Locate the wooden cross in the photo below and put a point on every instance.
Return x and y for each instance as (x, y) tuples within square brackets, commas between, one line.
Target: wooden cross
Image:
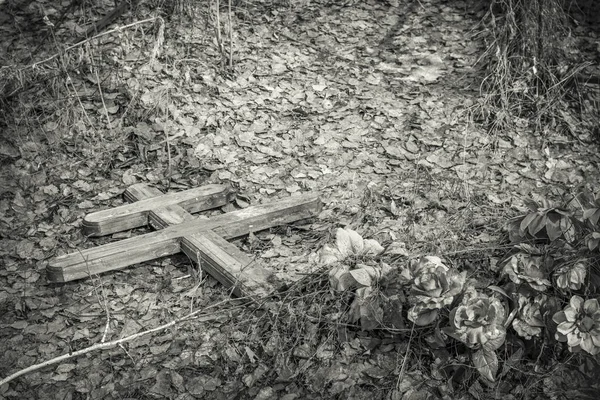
[(203, 240)]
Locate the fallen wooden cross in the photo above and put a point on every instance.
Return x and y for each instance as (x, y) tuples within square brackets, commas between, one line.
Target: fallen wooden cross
[(203, 240)]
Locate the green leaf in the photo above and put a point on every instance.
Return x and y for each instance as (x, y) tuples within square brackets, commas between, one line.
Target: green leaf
[(416, 394), (553, 226), (593, 214), (588, 212), (486, 363), (454, 335), (568, 229), (526, 221), (370, 316), (426, 317), (529, 249), (538, 223), (594, 219), (593, 240), (361, 278), (564, 212), (494, 343), (499, 290), (348, 242), (532, 205)]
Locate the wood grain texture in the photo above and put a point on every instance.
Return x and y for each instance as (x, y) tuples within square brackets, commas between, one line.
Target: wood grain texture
[(213, 254), (227, 264), (136, 214), (199, 241)]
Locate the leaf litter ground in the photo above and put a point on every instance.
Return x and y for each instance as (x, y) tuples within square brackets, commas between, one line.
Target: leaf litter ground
[(369, 104)]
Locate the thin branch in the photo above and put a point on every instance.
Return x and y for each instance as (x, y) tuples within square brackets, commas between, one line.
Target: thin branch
[(117, 29), (101, 346)]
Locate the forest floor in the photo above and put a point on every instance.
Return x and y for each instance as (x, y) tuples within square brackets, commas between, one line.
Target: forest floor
[(369, 104)]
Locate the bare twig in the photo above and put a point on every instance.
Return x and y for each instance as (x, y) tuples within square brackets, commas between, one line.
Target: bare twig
[(406, 354), (106, 345), (117, 29), (230, 34), (218, 31)]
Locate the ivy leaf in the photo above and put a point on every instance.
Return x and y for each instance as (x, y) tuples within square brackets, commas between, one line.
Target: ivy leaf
[(553, 225), (593, 240), (593, 214), (427, 317), (568, 229), (486, 363), (527, 221), (595, 217), (537, 224)]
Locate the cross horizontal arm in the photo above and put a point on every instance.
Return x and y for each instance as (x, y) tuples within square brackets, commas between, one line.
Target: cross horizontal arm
[(146, 247), (134, 215)]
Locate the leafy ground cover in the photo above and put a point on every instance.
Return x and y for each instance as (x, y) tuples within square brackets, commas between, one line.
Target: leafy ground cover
[(424, 276)]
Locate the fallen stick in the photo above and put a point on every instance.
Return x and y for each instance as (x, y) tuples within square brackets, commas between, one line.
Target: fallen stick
[(113, 343)]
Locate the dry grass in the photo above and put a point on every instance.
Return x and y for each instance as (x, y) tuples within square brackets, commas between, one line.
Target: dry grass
[(529, 69)]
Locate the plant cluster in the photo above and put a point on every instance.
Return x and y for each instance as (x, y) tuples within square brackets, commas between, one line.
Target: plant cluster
[(548, 287)]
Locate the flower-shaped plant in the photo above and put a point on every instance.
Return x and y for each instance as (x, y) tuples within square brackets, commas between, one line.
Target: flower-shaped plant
[(351, 244), (478, 321), (579, 325), (348, 243), (529, 322), (423, 265), (571, 276), (434, 285), (527, 268), (346, 274), (343, 278)]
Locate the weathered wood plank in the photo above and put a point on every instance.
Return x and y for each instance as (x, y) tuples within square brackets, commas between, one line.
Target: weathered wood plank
[(146, 247), (119, 255), (160, 217), (227, 264), (134, 215), (213, 254)]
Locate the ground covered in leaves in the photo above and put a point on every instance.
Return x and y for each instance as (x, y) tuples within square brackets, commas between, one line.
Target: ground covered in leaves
[(369, 104)]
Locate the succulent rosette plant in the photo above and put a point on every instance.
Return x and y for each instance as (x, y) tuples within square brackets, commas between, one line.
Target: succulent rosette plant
[(422, 266), (579, 325), (478, 321), (527, 268), (434, 285), (529, 322), (349, 244), (571, 276)]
